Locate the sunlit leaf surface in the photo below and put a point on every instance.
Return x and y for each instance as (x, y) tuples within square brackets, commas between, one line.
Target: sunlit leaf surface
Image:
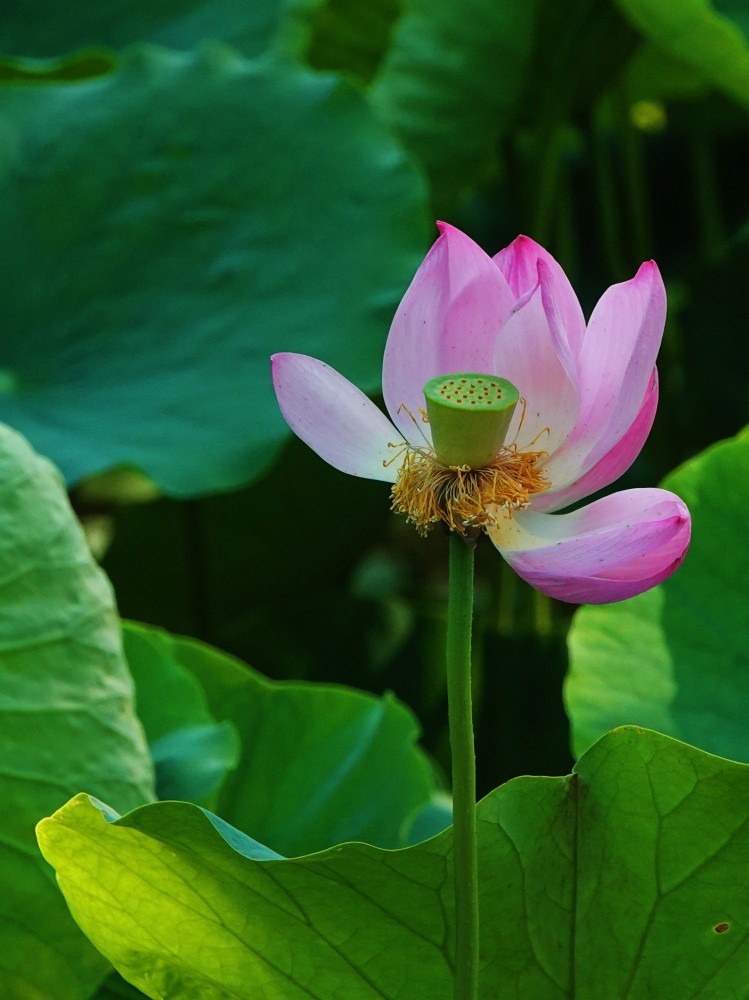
[(624, 873), (676, 659)]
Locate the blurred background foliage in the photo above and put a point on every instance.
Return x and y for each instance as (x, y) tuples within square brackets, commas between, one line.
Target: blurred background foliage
[(188, 187)]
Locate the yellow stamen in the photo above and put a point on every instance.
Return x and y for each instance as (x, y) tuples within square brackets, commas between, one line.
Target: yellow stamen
[(427, 491)]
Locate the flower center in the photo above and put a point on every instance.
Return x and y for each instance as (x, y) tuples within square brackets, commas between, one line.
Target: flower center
[(469, 415), (471, 475)]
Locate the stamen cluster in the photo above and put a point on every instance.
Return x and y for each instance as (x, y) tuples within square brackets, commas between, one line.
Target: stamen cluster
[(427, 491)]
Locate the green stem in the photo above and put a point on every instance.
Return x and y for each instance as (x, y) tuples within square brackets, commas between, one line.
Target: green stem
[(636, 181), (459, 620), (550, 158), (609, 199), (707, 194), (542, 613)]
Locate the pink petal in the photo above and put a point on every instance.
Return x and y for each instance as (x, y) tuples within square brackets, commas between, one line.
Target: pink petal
[(621, 344), (612, 549), (447, 322), (530, 354), (519, 264), (335, 418), (616, 363), (613, 465)]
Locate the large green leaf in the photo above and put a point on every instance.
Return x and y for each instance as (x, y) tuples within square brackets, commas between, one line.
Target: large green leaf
[(449, 84), (695, 32), (170, 225), (43, 28), (653, 74), (317, 760), (66, 703), (191, 750), (621, 880), (676, 657)]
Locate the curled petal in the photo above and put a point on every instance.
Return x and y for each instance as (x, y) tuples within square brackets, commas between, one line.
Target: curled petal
[(615, 366), (519, 264), (335, 418), (613, 464), (621, 344), (447, 322), (612, 549)]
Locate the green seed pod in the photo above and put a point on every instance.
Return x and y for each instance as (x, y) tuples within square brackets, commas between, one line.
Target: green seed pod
[(469, 415)]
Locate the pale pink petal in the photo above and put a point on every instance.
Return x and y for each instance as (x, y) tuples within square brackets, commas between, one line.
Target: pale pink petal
[(447, 322), (530, 355), (613, 465), (519, 264), (615, 366), (612, 549), (335, 418)]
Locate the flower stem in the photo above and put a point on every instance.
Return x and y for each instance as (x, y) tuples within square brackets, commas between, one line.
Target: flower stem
[(459, 620)]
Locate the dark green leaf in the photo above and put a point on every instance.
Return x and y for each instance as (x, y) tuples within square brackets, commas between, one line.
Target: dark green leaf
[(191, 751), (115, 988), (169, 226), (192, 762), (579, 47), (80, 66), (693, 31), (352, 35), (449, 84), (43, 28), (318, 761)]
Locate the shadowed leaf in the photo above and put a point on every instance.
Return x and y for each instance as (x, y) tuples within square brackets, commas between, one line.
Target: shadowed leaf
[(68, 721)]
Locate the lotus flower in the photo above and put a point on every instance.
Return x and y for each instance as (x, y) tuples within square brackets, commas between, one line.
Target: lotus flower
[(476, 326)]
